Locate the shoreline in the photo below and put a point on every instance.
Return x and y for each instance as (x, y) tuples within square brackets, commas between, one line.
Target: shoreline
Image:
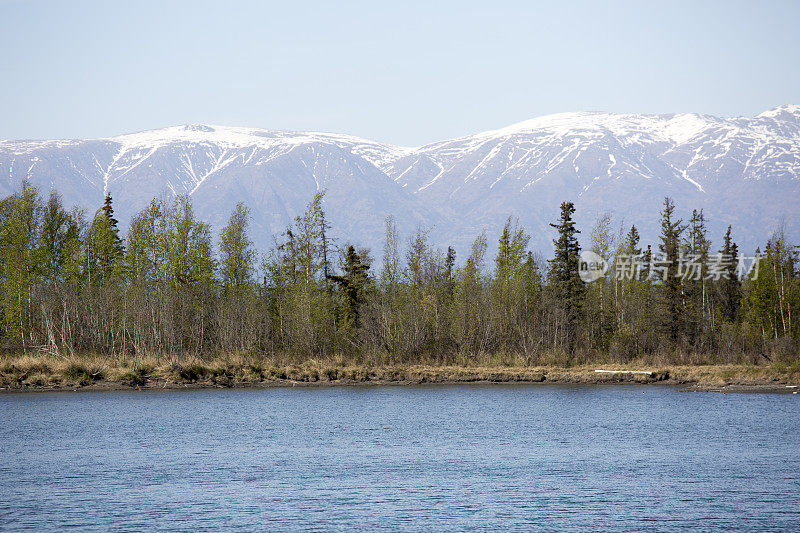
[(754, 388), (29, 374)]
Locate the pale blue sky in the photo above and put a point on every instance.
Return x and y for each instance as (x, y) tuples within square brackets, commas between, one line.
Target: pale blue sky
[(408, 73)]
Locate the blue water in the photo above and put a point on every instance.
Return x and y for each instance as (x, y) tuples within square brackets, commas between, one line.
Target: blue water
[(429, 458)]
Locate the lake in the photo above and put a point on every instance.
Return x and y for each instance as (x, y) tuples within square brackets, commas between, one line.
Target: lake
[(430, 458)]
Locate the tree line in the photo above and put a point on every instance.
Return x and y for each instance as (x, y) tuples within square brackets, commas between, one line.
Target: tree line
[(70, 283)]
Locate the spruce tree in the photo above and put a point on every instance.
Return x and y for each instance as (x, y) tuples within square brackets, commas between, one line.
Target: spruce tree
[(325, 242), (568, 287), (631, 296), (671, 286), (352, 283), (647, 263), (729, 284), (633, 241), (108, 211), (106, 249), (113, 225), (696, 246), (449, 271)]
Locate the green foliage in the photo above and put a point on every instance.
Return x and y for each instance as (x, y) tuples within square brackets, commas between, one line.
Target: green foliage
[(105, 248), (511, 252), (772, 293), (697, 289), (297, 285), (236, 251), (21, 259), (69, 285), (598, 308)]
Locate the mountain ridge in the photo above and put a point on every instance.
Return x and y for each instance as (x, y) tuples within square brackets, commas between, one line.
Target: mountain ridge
[(743, 171)]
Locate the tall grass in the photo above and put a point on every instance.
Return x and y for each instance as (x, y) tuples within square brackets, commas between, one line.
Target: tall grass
[(241, 369)]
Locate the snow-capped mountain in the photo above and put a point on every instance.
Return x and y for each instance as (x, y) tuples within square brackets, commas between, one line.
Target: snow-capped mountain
[(275, 173), (741, 171)]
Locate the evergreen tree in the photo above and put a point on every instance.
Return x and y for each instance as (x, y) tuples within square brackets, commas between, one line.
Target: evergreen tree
[(729, 285), (68, 286), (325, 242), (634, 253), (632, 298), (671, 286), (352, 284), (105, 246), (568, 287), (647, 264), (449, 265), (108, 211), (632, 241), (696, 274)]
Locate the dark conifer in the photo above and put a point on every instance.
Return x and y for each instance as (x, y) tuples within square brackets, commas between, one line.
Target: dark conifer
[(449, 273), (569, 289), (672, 286), (730, 286), (352, 283), (633, 241), (113, 224), (695, 274), (108, 211)]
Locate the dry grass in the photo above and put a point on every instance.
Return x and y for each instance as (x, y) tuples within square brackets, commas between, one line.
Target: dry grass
[(43, 371)]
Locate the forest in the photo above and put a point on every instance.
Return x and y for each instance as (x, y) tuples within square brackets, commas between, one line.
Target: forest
[(72, 283)]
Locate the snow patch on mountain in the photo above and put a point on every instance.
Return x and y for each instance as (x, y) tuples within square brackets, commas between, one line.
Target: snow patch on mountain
[(743, 171)]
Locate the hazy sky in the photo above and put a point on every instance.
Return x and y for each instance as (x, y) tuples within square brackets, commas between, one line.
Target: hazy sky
[(408, 74)]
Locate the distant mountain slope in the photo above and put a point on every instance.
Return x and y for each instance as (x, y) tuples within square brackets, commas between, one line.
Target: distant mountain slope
[(275, 173), (744, 172), (741, 171)]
